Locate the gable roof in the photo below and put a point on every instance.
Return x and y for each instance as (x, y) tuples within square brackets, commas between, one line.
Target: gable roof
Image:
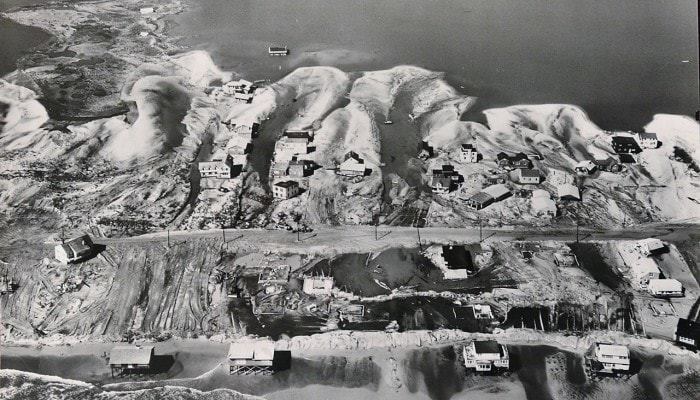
[(130, 354)]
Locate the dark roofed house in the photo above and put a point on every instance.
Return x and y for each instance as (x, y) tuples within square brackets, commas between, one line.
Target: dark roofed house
[(608, 165), (74, 250), (688, 333), (625, 145), (130, 358)]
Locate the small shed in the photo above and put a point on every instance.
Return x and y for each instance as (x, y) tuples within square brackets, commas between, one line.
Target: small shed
[(251, 358)]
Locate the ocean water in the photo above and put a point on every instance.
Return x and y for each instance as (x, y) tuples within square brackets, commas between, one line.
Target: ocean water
[(16, 39), (621, 60)]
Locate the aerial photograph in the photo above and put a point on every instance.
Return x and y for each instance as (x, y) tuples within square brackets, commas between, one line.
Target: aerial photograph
[(349, 199)]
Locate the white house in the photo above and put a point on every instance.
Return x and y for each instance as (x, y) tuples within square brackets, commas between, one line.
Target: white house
[(643, 270), (352, 166), (318, 285), (285, 190), (528, 176), (648, 140), (469, 153), (220, 166), (665, 287), (74, 250), (485, 355), (612, 358)]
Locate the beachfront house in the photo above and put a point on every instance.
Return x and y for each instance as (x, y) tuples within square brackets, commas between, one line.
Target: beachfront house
[(610, 358), (251, 358), (625, 145), (285, 190), (528, 176), (542, 203), (318, 285), (485, 355), (568, 192), (220, 166), (585, 167), (688, 333), (648, 140), (665, 288), (74, 250), (130, 359), (643, 270), (352, 166), (469, 154)]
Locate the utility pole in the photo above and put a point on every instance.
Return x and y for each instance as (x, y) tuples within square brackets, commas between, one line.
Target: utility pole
[(480, 234), (420, 245)]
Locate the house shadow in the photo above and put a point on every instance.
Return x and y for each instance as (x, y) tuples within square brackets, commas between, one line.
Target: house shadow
[(282, 360), (95, 251), (161, 364)]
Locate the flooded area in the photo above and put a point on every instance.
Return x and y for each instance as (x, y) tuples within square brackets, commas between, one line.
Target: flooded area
[(543, 52)]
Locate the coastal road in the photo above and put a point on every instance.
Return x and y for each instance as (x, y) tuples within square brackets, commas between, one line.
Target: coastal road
[(362, 237)]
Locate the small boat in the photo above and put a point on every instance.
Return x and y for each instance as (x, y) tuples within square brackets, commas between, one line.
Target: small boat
[(278, 51), (381, 284)]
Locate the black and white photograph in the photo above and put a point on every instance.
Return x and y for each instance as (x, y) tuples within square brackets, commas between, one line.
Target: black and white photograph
[(349, 200)]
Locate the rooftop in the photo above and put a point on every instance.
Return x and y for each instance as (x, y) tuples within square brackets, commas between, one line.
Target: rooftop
[(261, 350), (287, 184), (647, 135), (613, 350), (487, 347), (130, 354), (529, 173)]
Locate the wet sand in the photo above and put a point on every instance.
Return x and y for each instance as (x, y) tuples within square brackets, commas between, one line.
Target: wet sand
[(435, 373)]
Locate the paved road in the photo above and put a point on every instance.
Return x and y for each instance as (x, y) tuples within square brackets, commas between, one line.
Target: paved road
[(362, 237)]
